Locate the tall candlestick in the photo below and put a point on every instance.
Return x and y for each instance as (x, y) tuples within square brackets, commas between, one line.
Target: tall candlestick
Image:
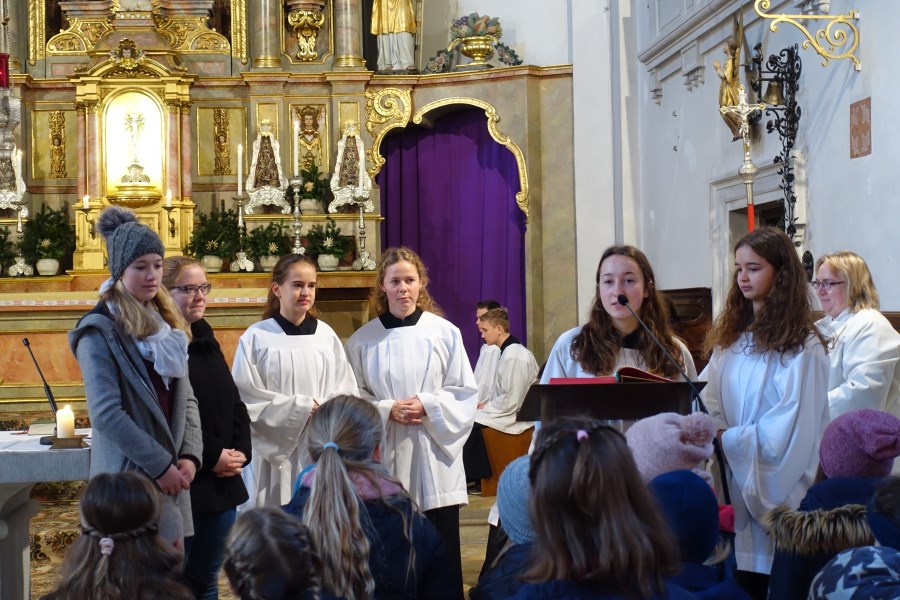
[(240, 169), (168, 198), (296, 145), (65, 422), (86, 201)]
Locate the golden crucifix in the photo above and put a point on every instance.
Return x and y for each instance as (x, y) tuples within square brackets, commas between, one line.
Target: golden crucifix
[(748, 170)]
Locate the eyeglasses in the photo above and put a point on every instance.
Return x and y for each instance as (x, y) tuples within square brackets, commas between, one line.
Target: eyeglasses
[(826, 285), (191, 290)]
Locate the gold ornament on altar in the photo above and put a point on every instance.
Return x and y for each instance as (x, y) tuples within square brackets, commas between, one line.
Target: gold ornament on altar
[(306, 19), (476, 37), (58, 145), (309, 139), (222, 147), (127, 56)]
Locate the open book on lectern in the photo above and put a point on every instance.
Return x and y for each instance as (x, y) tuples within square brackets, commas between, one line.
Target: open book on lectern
[(606, 399)]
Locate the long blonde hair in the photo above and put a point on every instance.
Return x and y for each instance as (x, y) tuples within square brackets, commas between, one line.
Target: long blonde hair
[(334, 510), (855, 274), (390, 257), (136, 319)]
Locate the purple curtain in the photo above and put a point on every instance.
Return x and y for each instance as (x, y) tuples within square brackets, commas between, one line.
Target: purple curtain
[(449, 193)]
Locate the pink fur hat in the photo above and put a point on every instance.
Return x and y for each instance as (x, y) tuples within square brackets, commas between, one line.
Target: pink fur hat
[(671, 442)]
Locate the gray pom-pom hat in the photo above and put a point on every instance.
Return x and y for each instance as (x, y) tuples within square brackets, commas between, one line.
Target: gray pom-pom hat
[(126, 238)]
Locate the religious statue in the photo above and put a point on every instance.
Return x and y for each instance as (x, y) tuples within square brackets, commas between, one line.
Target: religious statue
[(731, 77), (309, 141), (126, 56), (222, 155), (57, 157), (134, 124), (394, 22), (350, 182), (266, 183)]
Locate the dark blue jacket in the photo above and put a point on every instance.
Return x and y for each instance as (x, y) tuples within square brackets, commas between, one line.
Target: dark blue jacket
[(832, 509), (502, 580), (709, 582), (571, 590), (389, 551)]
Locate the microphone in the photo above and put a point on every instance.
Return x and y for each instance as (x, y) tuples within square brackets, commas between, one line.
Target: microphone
[(695, 393), (46, 441)]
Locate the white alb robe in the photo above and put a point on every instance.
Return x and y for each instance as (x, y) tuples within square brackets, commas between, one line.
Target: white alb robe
[(774, 408), (426, 360), (279, 376), (486, 371), (865, 362), (515, 374)]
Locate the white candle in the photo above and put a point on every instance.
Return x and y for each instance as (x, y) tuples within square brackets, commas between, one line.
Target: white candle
[(240, 169), (86, 201), (65, 422), (168, 198), (296, 145), (18, 163)]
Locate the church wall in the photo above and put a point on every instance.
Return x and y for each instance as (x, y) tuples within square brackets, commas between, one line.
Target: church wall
[(687, 158)]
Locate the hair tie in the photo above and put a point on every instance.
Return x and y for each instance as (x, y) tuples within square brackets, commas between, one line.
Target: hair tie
[(331, 445), (581, 434), (106, 546)]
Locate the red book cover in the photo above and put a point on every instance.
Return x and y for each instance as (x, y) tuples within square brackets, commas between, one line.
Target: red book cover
[(581, 380)]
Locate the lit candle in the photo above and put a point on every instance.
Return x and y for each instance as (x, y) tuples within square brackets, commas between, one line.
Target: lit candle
[(240, 169), (65, 422), (168, 198), (86, 202)]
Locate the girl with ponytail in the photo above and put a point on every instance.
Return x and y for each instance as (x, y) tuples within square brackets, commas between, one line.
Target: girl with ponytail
[(372, 540)]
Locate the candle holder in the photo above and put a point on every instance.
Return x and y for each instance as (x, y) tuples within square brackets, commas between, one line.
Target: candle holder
[(363, 261), (296, 225), (71, 443), (92, 229), (170, 218), (241, 262)]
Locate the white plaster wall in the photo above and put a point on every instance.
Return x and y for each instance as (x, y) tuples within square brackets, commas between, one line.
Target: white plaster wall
[(537, 30), (684, 146)]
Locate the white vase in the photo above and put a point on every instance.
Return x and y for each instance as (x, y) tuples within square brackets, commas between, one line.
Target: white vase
[(47, 266), (267, 263), (328, 262), (310, 206), (212, 264)]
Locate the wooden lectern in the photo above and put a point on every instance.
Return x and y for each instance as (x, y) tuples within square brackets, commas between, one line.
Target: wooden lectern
[(608, 401)]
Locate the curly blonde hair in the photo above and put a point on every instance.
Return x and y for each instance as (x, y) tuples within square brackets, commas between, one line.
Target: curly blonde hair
[(390, 257)]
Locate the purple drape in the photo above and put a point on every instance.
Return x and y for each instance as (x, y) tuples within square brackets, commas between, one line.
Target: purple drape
[(449, 193)]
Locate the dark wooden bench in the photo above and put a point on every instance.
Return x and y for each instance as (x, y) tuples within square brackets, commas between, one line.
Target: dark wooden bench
[(502, 449)]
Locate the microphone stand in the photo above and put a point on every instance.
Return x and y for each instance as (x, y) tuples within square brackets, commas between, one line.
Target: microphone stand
[(46, 440), (695, 393)]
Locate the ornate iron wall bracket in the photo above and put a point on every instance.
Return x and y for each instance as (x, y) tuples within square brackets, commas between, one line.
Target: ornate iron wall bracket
[(839, 32), (781, 69)]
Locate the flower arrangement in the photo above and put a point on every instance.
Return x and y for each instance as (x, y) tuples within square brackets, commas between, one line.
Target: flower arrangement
[(270, 240), (475, 25), (48, 234), (328, 240), (215, 234), (315, 185)]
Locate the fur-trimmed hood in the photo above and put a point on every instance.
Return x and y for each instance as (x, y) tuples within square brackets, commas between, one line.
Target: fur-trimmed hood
[(820, 530)]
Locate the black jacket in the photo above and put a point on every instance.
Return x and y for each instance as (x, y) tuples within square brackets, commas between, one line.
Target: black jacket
[(502, 580), (223, 421), (389, 551)]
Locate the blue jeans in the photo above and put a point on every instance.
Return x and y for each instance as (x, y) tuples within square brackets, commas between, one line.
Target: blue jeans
[(204, 552)]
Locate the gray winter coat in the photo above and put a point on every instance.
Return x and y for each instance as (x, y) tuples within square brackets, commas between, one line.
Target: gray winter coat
[(130, 432)]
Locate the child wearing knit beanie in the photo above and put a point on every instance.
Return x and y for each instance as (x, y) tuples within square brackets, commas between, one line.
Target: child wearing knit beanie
[(856, 452), (671, 442)]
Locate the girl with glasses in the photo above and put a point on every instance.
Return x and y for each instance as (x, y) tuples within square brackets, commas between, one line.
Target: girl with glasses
[(865, 357), (218, 488), (767, 381)]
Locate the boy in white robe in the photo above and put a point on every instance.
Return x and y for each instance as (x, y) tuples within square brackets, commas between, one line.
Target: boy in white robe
[(488, 356)]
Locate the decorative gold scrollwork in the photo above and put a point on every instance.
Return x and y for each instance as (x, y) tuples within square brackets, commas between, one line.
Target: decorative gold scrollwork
[(390, 107), (834, 35), (306, 24)]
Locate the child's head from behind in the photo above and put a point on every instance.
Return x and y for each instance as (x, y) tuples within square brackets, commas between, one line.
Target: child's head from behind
[(120, 553), (691, 510), (860, 443), (269, 555), (594, 517)]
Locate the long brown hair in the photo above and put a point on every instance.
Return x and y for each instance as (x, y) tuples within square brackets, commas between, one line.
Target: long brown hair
[(280, 273), (269, 555), (392, 256), (334, 510), (595, 520), (786, 320), (123, 507), (596, 347)]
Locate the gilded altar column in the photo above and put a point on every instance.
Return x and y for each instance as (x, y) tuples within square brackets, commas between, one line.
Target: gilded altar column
[(94, 170), (81, 182), (348, 35), (266, 26), (173, 149), (186, 152)]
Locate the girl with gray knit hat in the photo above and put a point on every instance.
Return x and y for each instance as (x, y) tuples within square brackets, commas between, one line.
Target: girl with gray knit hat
[(132, 350)]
